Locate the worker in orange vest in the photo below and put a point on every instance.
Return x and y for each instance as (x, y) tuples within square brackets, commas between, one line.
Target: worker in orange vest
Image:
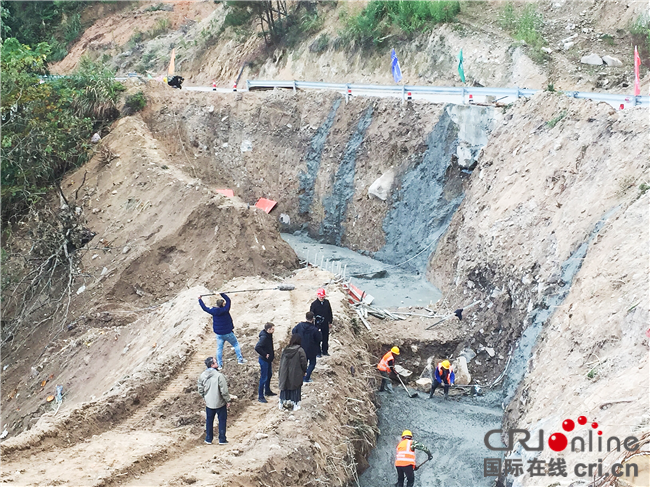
[(405, 458), (444, 376), (386, 365)]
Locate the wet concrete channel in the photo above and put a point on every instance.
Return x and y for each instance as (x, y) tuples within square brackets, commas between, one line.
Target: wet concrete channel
[(398, 287), (453, 430)]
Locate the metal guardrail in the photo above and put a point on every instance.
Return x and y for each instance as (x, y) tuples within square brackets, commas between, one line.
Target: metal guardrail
[(468, 95)]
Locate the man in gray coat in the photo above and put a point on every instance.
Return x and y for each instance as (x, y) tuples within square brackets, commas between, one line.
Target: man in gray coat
[(214, 389)]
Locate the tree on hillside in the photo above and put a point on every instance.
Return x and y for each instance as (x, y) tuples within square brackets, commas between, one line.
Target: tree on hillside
[(271, 15)]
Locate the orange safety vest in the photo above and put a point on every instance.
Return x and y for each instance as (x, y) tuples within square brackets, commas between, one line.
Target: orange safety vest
[(405, 456), (383, 363), (450, 369)]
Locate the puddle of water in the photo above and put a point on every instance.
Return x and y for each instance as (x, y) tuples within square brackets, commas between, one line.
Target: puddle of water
[(398, 288)]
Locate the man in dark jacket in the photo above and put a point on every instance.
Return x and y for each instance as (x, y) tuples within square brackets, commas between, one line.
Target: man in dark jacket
[(323, 315), (310, 337), (223, 327), (264, 349)]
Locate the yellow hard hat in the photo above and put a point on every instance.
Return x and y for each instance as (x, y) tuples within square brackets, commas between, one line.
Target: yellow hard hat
[(395, 350), (445, 364), (406, 433)]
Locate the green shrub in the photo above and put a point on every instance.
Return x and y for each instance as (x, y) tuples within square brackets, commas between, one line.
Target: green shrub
[(135, 103), (523, 26), (376, 22), (554, 121), (137, 37), (72, 29), (640, 30), (320, 44), (162, 26), (46, 127), (237, 15)]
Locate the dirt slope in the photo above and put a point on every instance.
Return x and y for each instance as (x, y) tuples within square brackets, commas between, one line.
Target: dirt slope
[(146, 427), (158, 232), (540, 192)]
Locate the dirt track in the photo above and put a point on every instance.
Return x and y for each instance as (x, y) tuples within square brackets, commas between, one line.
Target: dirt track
[(160, 442)]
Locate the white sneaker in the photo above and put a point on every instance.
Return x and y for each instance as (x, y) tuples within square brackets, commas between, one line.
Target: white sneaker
[(280, 404), (296, 406), (242, 361)]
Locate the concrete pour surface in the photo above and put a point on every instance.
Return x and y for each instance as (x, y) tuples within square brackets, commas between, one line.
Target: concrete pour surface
[(453, 430), (398, 288)]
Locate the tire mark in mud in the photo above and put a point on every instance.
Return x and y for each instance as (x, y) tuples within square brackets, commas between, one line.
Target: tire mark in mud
[(313, 158), (335, 205)]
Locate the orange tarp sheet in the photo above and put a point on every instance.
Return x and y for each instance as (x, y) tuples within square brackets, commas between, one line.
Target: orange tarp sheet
[(266, 205)]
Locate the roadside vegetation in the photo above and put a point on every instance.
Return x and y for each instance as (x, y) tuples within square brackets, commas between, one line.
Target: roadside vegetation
[(47, 126), (640, 30), (524, 23), (57, 23), (381, 20)]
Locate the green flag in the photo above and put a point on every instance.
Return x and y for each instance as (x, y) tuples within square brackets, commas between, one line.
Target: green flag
[(460, 66)]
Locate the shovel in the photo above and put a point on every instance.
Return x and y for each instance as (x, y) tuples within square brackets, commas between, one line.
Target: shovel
[(281, 287), (415, 394), (420, 466)]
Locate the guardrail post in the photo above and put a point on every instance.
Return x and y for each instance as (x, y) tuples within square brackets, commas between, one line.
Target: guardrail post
[(403, 93), (347, 93), (518, 93), (248, 84), (294, 86), (463, 95), (636, 100)]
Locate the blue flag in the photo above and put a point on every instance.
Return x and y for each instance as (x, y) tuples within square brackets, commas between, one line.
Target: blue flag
[(394, 67)]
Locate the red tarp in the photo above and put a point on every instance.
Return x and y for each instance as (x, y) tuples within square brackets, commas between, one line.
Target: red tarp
[(266, 205), (226, 192)]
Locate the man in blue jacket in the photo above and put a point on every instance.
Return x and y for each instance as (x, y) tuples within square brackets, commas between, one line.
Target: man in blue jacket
[(223, 327), (311, 338)]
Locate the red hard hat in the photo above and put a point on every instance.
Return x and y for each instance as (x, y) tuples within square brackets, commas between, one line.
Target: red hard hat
[(320, 293)]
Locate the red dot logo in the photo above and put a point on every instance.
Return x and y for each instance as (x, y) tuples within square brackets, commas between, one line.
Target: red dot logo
[(568, 425), (594, 425), (582, 420), (600, 433), (557, 442)]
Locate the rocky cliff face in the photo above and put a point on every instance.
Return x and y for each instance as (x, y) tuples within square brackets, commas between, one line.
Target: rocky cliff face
[(547, 237)]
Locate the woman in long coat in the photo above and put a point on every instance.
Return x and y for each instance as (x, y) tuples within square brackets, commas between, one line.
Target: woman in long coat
[(293, 365)]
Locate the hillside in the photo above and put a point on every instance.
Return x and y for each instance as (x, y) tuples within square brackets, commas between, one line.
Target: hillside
[(532, 217), (141, 38)]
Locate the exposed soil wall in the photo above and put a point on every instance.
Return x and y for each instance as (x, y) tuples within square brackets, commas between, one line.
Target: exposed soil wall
[(550, 173)]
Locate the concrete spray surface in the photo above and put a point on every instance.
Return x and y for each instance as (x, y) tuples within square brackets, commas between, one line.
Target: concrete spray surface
[(431, 191), (336, 204)]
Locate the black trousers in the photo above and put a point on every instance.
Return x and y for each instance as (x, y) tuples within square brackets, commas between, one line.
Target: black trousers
[(435, 386), (325, 344), (406, 471)]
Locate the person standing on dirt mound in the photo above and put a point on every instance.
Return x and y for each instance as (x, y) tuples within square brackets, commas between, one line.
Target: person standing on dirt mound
[(293, 365), (323, 315), (386, 365), (223, 327), (405, 459), (264, 349), (443, 375), (214, 389), (311, 339)]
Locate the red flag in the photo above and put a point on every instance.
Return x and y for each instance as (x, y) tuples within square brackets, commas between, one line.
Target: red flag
[(637, 63)]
